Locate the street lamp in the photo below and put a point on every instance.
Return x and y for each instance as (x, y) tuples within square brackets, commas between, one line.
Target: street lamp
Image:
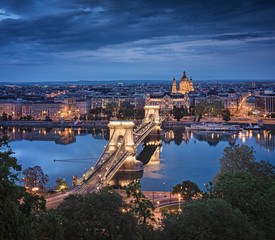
[(179, 202), (164, 189), (158, 205)]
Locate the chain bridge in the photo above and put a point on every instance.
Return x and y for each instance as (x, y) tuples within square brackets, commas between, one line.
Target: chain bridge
[(120, 152)]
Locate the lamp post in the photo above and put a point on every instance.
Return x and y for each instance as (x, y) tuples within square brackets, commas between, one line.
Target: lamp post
[(164, 189), (158, 205), (179, 202)]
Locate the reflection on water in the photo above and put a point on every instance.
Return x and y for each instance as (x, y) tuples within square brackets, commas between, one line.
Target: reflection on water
[(170, 157), (58, 135)]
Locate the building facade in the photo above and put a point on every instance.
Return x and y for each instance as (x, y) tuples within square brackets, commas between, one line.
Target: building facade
[(40, 110), (265, 103), (11, 108), (185, 86), (167, 101), (229, 100)]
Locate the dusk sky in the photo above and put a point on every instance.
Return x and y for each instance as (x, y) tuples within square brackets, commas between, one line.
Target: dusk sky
[(66, 40)]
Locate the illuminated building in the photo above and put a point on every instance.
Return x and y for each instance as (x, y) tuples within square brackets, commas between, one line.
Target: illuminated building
[(265, 103), (12, 108), (185, 86)]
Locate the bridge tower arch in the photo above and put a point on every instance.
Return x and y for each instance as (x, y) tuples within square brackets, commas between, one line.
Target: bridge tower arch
[(121, 130), (151, 112)]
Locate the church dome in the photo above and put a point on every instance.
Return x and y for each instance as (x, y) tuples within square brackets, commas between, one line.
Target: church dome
[(184, 78)]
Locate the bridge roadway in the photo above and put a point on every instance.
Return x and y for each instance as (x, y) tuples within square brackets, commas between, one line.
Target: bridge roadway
[(106, 167)]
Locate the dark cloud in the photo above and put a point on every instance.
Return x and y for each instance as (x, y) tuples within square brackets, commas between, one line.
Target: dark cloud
[(91, 24), (59, 26), (243, 36)]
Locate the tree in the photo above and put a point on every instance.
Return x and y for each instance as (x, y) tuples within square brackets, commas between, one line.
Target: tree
[(100, 215), (20, 211), (216, 108), (201, 107), (111, 109), (226, 115), (253, 196), (61, 185), (29, 117), (179, 112), (241, 158), (139, 113), (48, 119), (208, 219), (34, 177), (213, 109), (4, 116), (142, 206), (186, 189), (126, 110)]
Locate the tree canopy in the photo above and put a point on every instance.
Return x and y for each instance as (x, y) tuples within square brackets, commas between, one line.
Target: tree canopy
[(142, 206), (241, 158), (212, 109), (20, 211), (61, 184), (34, 177), (100, 215), (186, 189), (253, 196), (203, 220), (179, 112)]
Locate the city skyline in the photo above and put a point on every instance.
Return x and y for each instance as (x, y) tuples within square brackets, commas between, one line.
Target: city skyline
[(141, 40)]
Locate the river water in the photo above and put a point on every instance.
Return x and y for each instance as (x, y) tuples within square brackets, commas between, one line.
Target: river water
[(177, 155)]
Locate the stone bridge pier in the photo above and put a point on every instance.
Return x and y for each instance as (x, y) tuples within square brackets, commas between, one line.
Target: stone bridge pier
[(123, 131)]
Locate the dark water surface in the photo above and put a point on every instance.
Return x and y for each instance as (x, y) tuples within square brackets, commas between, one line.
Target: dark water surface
[(178, 155)]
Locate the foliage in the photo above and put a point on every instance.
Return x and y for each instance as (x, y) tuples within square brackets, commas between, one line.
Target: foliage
[(48, 119), (253, 196), (97, 216), (34, 177), (8, 163), (208, 219), (142, 206), (179, 112), (20, 211), (126, 110), (186, 189), (139, 113), (5, 117), (226, 115), (111, 109), (61, 185), (96, 111), (213, 109), (241, 158)]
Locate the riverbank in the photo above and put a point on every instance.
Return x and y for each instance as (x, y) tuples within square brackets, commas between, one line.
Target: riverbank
[(54, 124), (268, 124)]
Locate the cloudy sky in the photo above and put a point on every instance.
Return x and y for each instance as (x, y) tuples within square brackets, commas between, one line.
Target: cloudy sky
[(50, 40)]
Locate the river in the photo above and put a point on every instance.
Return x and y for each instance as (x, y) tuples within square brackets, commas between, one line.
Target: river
[(179, 155)]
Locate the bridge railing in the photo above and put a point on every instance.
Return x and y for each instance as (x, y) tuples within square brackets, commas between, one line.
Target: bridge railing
[(103, 157), (116, 156)]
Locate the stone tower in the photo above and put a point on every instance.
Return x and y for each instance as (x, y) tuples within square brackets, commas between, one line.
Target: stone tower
[(191, 87), (174, 86)]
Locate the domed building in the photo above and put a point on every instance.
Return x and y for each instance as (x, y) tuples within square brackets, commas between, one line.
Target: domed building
[(185, 86)]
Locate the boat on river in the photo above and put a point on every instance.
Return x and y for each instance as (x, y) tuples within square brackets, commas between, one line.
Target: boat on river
[(214, 127)]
